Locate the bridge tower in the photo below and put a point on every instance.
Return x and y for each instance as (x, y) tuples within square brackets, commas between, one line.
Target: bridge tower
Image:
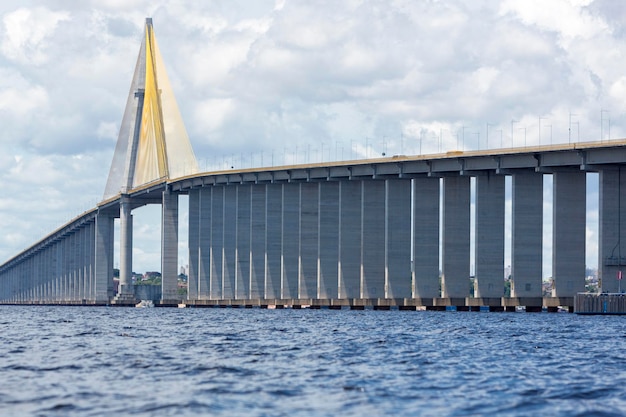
[(152, 147)]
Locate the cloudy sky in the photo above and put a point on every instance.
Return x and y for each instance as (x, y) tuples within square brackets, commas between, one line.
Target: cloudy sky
[(262, 82)]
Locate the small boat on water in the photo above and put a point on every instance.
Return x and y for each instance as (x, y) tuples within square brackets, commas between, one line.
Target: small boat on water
[(145, 304)]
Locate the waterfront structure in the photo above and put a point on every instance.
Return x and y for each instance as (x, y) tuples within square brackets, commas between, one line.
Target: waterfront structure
[(351, 233)]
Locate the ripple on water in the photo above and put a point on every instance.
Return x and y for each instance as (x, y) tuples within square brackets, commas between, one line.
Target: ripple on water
[(103, 361)]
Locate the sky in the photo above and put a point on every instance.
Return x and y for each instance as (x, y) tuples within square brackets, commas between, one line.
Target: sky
[(272, 82)]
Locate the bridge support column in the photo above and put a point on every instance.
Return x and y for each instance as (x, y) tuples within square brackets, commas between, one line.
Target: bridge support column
[(373, 239), (568, 235), (398, 239), (456, 237), (350, 239), (217, 242), (193, 244), (426, 238), (273, 240), (612, 228), (169, 248), (526, 230), (328, 243), (125, 293), (242, 247), (256, 243), (204, 242), (230, 242), (290, 240), (309, 240), (489, 239), (103, 258)]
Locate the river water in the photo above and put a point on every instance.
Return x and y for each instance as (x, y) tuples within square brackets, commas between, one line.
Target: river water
[(83, 361)]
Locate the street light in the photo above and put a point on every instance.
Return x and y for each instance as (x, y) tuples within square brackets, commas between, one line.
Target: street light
[(569, 135), (512, 124), (540, 119), (602, 111)]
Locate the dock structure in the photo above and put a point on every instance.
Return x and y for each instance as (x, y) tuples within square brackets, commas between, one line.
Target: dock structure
[(351, 234), (601, 303)]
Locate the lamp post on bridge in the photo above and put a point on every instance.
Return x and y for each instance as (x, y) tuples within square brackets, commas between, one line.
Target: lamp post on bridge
[(569, 134), (602, 111), (487, 139), (540, 119), (512, 128)]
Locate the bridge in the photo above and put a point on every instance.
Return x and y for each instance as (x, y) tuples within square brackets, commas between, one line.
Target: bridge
[(353, 234)]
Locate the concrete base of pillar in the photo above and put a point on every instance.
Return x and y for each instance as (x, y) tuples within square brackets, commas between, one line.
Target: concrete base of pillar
[(559, 302), (447, 302), (167, 303), (522, 301), (124, 300), (483, 301)]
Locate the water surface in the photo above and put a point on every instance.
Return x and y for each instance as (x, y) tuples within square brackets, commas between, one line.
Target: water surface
[(83, 361)]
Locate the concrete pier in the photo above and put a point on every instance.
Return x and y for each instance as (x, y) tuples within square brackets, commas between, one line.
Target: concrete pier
[(426, 238), (217, 243), (568, 233), (229, 227), (527, 236), (398, 239), (350, 197), (456, 237), (273, 241), (372, 239), (328, 242), (612, 227), (169, 247), (309, 240), (290, 240)]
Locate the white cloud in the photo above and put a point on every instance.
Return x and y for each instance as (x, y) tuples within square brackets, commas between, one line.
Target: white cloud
[(26, 33)]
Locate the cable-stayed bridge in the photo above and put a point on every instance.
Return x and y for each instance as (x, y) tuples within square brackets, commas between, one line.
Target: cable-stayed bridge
[(351, 233)]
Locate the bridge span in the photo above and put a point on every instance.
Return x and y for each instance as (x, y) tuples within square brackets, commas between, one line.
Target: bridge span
[(355, 233), (352, 233)]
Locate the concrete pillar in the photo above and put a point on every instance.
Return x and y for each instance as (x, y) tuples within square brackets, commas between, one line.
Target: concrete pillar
[(527, 234), (398, 239), (569, 214), (169, 247), (256, 252), (58, 271), (456, 237), (205, 249), (612, 228), (309, 240), (230, 241), (103, 263), (290, 240), (193, 243), (84, 267), (126, 248), (373, 239), (37, 277), (426, 237), (91, 253), (66, 269), (328, 242), (350, 239), (242, 277), (273, 241), (217, 242), (489, 238)]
